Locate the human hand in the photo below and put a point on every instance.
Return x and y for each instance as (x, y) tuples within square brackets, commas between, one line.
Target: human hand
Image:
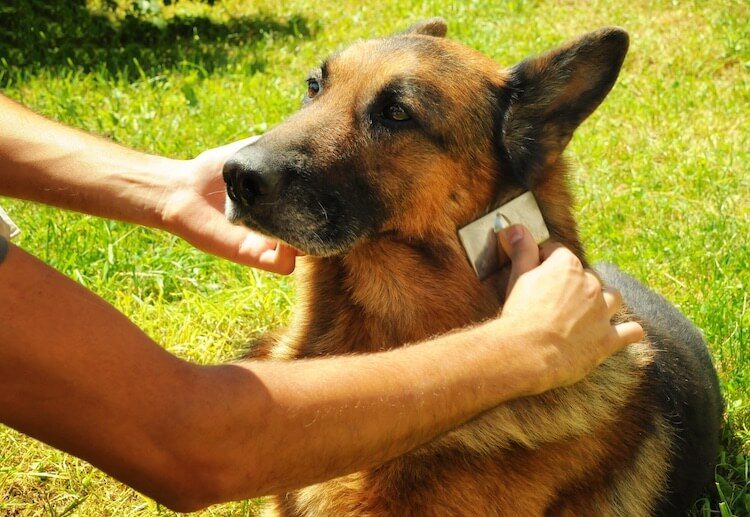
[(193, 209), (563, 307)]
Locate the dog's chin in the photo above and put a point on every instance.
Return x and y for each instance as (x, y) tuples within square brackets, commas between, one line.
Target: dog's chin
[(321, 250), (319, 240)]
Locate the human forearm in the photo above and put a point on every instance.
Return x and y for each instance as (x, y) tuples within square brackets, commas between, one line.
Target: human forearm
[(77, 374), (343, 414), (43, 161), (555, 328), (47, 162), (190, 436)]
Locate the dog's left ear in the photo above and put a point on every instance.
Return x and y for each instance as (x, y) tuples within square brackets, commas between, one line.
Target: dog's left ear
[(547, 97), (436, 27)]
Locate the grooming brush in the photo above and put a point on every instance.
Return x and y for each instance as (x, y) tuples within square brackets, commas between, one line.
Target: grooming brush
[(479, 240)]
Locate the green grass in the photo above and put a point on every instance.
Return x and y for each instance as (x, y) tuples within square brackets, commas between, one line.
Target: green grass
[(661, 172)]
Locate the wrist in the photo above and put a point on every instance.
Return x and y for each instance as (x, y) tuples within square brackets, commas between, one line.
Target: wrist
[(526, 357), (147, 186)]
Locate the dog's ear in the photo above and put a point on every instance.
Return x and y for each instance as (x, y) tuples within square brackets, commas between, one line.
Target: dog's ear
[(548, 96), (436, 27)]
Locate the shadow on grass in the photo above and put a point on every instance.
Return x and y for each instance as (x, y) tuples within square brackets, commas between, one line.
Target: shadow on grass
[(36, 35)]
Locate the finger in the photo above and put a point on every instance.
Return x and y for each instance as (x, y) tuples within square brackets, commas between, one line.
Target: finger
[(627, 333), (612, 299), (559, 256), (593, 289), (234, 243), (592, 279), (210, 231), (281, 260), (518, 244), (546, 249), (216, 235)]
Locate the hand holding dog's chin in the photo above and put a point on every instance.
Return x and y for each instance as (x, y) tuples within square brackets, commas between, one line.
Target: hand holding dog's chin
[(562, 312), (192, 207)]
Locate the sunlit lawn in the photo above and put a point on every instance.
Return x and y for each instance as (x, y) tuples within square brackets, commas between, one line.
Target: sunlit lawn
[(661, 170)]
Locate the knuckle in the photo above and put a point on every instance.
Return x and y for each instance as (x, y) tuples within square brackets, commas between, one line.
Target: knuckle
[(572, 260), (615, 294), (591, 290), (593, 279), (592, 285)]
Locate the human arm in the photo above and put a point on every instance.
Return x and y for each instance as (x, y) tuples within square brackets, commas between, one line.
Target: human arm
[(77, 374), (47, 162)]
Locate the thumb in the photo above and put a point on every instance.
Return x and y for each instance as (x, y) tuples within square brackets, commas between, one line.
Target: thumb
[(229, 149), (517, 243)]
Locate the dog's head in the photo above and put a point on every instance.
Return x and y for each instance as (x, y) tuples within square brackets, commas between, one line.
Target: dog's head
[(415, 134)]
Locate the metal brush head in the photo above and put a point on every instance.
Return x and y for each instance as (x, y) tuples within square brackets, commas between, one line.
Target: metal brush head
[(479, 240)]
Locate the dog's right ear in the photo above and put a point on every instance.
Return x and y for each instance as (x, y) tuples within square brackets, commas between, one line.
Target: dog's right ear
[(436, 27), (547, 97)]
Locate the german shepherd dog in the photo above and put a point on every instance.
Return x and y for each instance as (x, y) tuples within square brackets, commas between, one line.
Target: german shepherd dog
[(400, 142)]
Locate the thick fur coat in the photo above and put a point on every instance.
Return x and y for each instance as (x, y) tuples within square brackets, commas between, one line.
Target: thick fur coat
[(400, 142)]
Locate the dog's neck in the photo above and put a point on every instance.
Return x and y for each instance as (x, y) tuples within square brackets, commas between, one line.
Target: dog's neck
[(393, 290), (390, 291)]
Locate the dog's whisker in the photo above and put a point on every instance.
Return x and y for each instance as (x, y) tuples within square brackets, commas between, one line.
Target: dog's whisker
[(325, 213)]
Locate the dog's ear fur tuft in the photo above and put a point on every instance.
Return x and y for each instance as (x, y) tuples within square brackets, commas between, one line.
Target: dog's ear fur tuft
[(548, 96), (436, 27)]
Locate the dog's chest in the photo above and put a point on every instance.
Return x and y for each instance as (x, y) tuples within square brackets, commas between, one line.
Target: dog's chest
[(367, 309), (516, 481)]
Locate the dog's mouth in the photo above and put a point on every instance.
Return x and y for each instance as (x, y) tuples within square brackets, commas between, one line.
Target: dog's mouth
[(318, 232)]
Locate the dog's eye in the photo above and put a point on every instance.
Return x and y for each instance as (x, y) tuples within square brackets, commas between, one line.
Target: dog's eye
[(395, 112), (313, 87)]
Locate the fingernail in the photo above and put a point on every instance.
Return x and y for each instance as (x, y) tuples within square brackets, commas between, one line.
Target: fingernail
[(501, 223)]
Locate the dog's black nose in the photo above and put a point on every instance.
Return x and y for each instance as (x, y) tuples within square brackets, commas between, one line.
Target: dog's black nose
[(249, 177)]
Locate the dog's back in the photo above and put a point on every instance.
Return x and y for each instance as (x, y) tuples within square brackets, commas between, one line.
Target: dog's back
[(684, 382)]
